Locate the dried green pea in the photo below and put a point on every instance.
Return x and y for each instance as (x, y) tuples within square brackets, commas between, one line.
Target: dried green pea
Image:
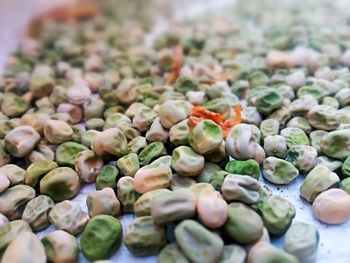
[(171, 253), (263, 252), (95, 124), (14, 173), (301, 123), (313, 90), (316, 137), (269, 127), (335, 144), (345, 185), (13, 105), (217, 179), (41, 85), (117, 120), (156, 132), (173, 111), (26, 247), (243, 225), (37, 170), (110, 142), (268, 100), (151, 152), (251, 115), (142, 206), (302, 105), (36, 120), (103, 202), (295, 136), (302, 157), (14, 199), (5, 157), (207, 172), (127, 91), (179, 133), (88, 136), (174, 206), (301, 240), (68, 216), (101, 237), (5, 127), (248, 167), (9, 231), (143, 119), (275, 145), (36, 212), (110, 110), (107, 177), (219, 105), (241, 188), (323, 117), (330, 101), (60, 184), (143, 237), (282, 115), (240, 142), (279, 171), (206, 137), (185, 83), (67, 152), (319, 179), (3, 220), (129, 164), (60, 247), (179, 181), (187, 162), (233, 253), (127, 193), (197, 243), (94, 109), (20, 141), (88, 165), (137, 144), (4, 182), (57, 132)]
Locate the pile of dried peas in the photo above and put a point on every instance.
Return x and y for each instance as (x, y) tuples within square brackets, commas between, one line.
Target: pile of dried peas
[(160, 133)]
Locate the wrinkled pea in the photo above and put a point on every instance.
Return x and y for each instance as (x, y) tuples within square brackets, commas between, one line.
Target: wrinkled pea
[(243, 225), (36, 212), (103, 202), (197, 243), (14, 199), (233, 253), (179, 181), (67, 152), (251, 115), (60, 184), (107, 177), (319, 179), (277, 214), (332, 206), (240, 142), (263, 252), (269, 127), (37, 170), (295, 136), (13, 105), (282, 115), (301, 123), (127, 193), (345, 185), (87, 137), (174, 206), (88, 165), (179, 133), (4, 182), (171, 253), (301, 240), (173, 111), (20, 141), (336, 144), (68, 216), (302, 105), (143, 237), (248, 167), (57, 132), (323, 117), (142, 206), (101, 237), (111, 141), (137, 144), (129, 164), (60, 247), (156, 132), (187, 162), (275, 145), (5, 157), (95, 124), (36, 120), (143, 119), (345, 168), (316, 137), (9, 231), (279, 171), (268, 101), (207, 172), (302, 157), (151, 152)]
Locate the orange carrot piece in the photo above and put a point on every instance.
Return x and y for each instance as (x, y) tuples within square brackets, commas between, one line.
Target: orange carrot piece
[(177, 63), (199, 111)]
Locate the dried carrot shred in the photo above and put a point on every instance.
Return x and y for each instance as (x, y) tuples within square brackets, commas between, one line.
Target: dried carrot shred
[(177, 63), (199, 111)]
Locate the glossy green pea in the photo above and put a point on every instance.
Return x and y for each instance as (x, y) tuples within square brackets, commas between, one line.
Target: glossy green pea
[(243, 225), (126, 193), (197, 243), (151, 152), (67, 152), (248, 167), (143, 237), (37, 170), (129, 164), (107, 177), (171, 254), (206, 137), (101, 237), (277, 214)]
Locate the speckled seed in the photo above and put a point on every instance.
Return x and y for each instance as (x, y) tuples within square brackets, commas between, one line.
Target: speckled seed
[(295, 136), (101, 237), (197, 243), (277, 214), (143, 237), (174, 206), (323, 117), (60, 247), (88, 165), (301, 240), (37, 170), (57, 132), (152, 177), (26, 247), (263, 252), (129, 164), (336, 144), (126, 193), (316, 137), (21, 141), (275, 145), (68, 216), (279, 171), (233, 253), (171, 253), (107, 177), (142, 206), (103, 202), (241, 188), (14, 199), (187, 162), (111, 141), (173, 111), (302, 157), (36, 212), (318, 180), (206, 137), (60, 184), (240, 142), (332, 206), (269, 127)]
